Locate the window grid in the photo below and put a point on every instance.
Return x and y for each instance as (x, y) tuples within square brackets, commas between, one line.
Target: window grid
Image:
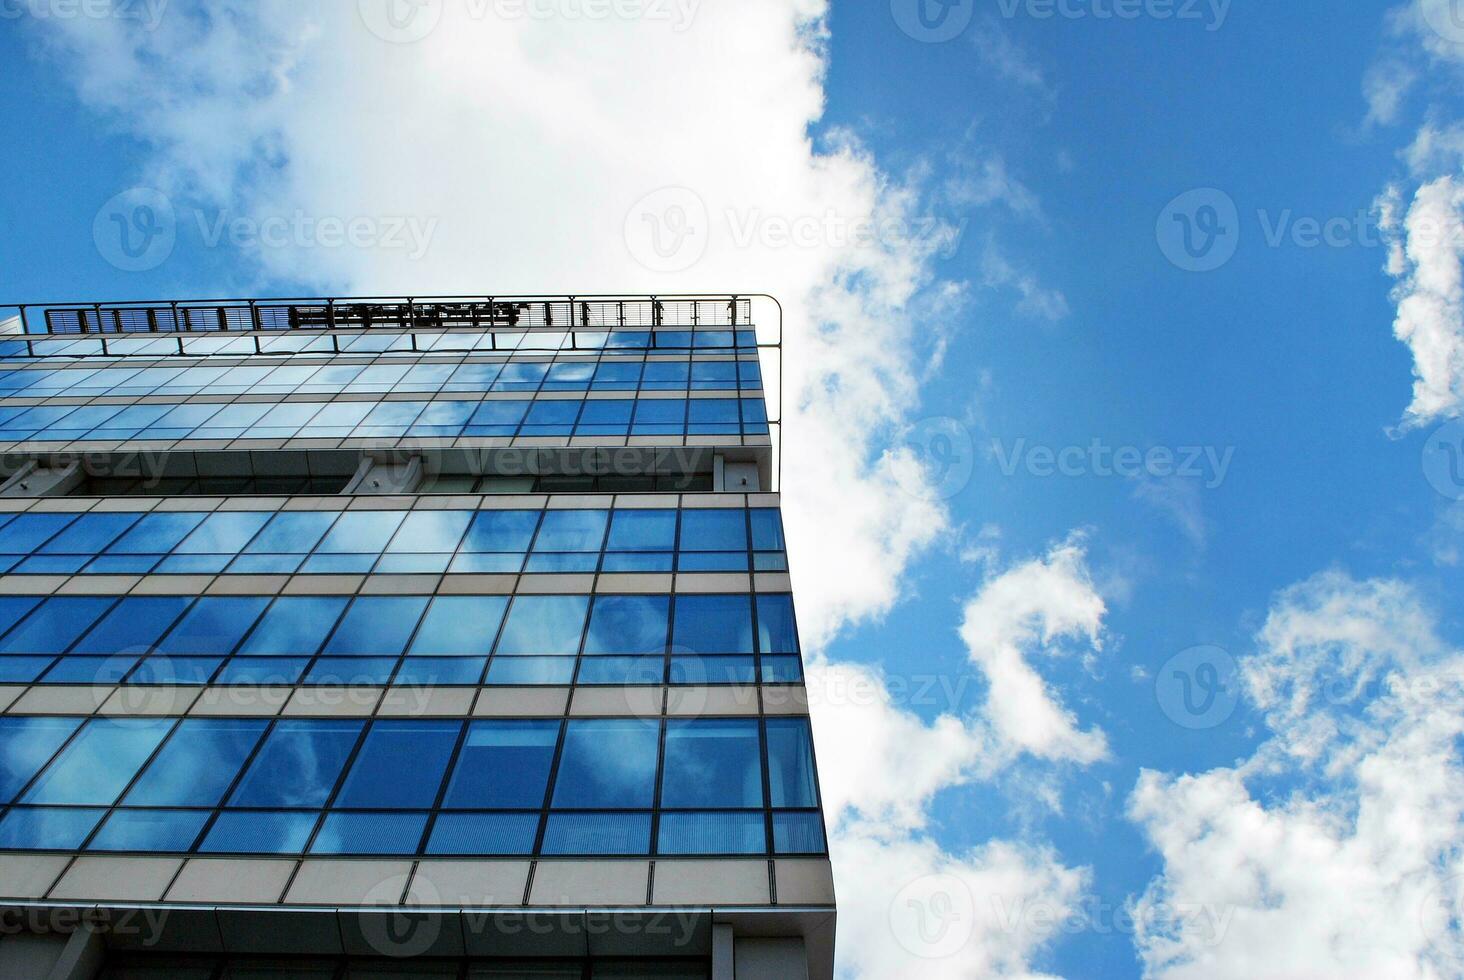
[(383, 419), (24, 553), (316, 665), (104, 812)]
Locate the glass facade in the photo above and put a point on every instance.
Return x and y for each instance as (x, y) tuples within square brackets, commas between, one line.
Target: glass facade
[(230, 636)]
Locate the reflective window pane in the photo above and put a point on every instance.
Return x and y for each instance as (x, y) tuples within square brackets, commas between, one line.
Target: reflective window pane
[(790, 763), (628, 624), (198, 764), (544, 625), (713, 624), (99, 762), (712, 763), (460, 626), (503, 765), (298, 764), (609, 764), (400, 765), (27, 744)]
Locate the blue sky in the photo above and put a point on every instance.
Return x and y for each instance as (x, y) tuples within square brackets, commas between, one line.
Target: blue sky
[(1052, 316)]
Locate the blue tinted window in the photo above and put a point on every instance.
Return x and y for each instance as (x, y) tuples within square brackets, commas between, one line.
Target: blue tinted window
[(767, 529), (544, 624), (47, 828), (361, 531), (214, 625), (503, 765), (642, 530), (133, 625), (13, 607), (484, 833), (27, 744), (223, 533), (150, 830), (712, 763), (99, 762), (298, 764), (294, 625), (400, 765), (790, 763), (614, 413), (598, 833), (369, 833), (712, 833), (628, 624), (798, 833), (156, 534), (460, 625), (713, 530), (555, 412), (776, 632), (502, 530), (90, 534), (292, 533), (431, 531), (510, 671), (508, 413), (610, 764), (198, 764), (28, 531), (55, 625), (377, 625), (259, 833), (572, 530), (713, 624)]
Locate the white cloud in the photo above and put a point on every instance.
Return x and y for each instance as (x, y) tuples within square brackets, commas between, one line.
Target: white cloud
[(1019, 618), (1385, 86), (1008, 59), (1329, 851), (1034, 299), (528, 141), (1178, 499), (1426, 254), (882, 765)]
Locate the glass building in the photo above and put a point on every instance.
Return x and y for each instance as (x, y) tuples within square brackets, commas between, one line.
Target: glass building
[(378, 638)]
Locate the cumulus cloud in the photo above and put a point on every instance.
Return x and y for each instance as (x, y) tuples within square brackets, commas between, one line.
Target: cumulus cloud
[(1041, 610), (531, 143), (889, 745), (1422, 215), (1426, 255), (1331, 851)]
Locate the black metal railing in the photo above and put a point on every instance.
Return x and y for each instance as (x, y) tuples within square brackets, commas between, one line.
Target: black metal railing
[(394, 313)]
